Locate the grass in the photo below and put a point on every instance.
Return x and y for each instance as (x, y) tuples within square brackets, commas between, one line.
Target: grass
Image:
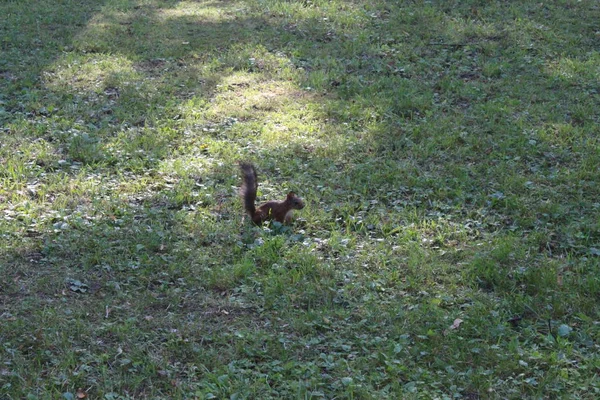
[(448, 153)]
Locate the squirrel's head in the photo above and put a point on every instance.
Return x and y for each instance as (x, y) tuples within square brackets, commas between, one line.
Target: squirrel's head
[(296, 201)]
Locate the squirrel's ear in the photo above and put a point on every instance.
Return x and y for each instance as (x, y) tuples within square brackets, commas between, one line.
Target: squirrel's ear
[(291, 194)]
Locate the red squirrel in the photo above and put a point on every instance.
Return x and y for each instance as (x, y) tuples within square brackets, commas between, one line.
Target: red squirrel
[(280, 211)]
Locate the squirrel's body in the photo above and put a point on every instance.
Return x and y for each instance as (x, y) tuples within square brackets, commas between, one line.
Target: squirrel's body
[(280, 211)]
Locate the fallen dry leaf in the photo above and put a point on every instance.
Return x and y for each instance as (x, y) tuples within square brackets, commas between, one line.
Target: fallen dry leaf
[(455, 325)]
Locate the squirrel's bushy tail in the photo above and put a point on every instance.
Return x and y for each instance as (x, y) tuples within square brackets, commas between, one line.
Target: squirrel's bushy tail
[(249, 187)]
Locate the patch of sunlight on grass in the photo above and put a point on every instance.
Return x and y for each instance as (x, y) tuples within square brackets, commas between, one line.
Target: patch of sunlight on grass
[(560, 134), (248, 97), (90, 73), (572, 70), (204, 11)]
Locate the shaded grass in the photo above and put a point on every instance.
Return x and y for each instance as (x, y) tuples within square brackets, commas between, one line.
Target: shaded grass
[(448, 154)]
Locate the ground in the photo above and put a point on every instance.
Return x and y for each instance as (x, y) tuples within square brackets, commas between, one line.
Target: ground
[(448, 153)]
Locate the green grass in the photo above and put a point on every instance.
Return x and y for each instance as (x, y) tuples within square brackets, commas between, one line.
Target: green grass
[(448, 153)]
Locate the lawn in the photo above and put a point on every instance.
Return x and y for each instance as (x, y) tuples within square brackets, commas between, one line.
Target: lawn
[(448, 153)]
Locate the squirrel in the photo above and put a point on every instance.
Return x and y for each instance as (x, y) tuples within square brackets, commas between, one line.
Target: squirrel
[(280, 211)]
